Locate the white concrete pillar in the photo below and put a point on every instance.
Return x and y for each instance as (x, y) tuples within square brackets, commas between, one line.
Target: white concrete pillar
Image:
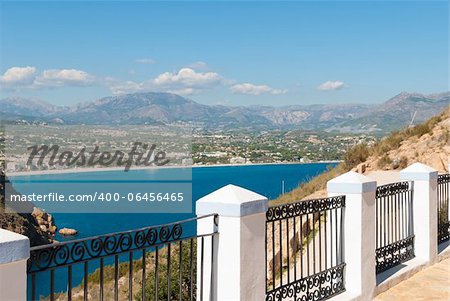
[(240, 259), (424, 209), (359, 232), (14, 252)]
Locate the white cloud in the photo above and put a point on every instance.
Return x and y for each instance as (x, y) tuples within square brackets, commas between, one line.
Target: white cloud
[(251, 89), (187, 78), (184, 82), (331, 85), (18, 76), (64, 77), (27, 77), (145, 61)]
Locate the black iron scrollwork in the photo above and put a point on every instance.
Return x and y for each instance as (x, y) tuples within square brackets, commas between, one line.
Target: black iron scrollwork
[(320, 286), (443, 231), (392, 189), (443, 178), (59, 254), (304, 207), (395, 253)]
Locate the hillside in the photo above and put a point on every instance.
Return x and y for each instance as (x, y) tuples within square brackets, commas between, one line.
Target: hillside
[(166, 108), (428, 143)]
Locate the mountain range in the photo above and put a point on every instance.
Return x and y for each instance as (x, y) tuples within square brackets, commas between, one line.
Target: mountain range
[(167, 108)]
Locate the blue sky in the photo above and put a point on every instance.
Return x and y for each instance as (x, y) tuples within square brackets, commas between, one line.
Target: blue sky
[(237, 53)]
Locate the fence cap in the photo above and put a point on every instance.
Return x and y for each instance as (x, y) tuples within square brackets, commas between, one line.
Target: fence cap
[(13, 247), (351, 182), (418, 172), (232, 200)]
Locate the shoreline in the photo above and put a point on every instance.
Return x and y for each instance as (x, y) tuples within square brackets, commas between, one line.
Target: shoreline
[(103, 169)]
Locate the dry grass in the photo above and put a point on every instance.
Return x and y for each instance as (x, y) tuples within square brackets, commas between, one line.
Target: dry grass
[(359, 154), (394, 140), (315, 184), (384, 160), (403, 162)]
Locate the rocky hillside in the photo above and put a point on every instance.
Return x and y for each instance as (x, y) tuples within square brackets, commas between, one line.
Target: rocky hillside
[(37, 225), (428, 143)]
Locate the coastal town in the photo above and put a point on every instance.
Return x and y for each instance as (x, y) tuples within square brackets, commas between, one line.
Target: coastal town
[(190, 149), (273, 147)]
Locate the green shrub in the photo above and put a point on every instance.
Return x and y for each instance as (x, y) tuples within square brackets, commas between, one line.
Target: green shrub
[(163, 269), (419, 130), (357, 154), (446, 135), (393, 141)]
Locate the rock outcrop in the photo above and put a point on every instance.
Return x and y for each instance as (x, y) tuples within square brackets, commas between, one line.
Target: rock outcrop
[(68, 232), (24, 223), (44, 220)]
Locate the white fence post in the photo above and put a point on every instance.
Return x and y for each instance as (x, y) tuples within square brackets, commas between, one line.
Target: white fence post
[(14, 252), (240, 261), (424, 209), (359, 232)]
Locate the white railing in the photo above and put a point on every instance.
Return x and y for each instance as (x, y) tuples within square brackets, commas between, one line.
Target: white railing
[(238, 255)]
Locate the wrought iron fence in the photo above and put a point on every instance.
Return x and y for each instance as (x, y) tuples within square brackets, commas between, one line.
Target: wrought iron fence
[(443, 208), (304, 250), (394, 225), (153, 263)]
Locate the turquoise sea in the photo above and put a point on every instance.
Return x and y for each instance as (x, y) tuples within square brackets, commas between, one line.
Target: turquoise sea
[(263, 179)]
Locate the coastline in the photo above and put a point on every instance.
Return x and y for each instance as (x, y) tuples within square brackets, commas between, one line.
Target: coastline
[(102, 169)]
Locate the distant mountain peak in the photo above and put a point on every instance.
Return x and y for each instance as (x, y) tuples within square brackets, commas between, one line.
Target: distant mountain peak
[(409, 97), (167, 108), (404, 95), (27, 107), (147, 97)]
